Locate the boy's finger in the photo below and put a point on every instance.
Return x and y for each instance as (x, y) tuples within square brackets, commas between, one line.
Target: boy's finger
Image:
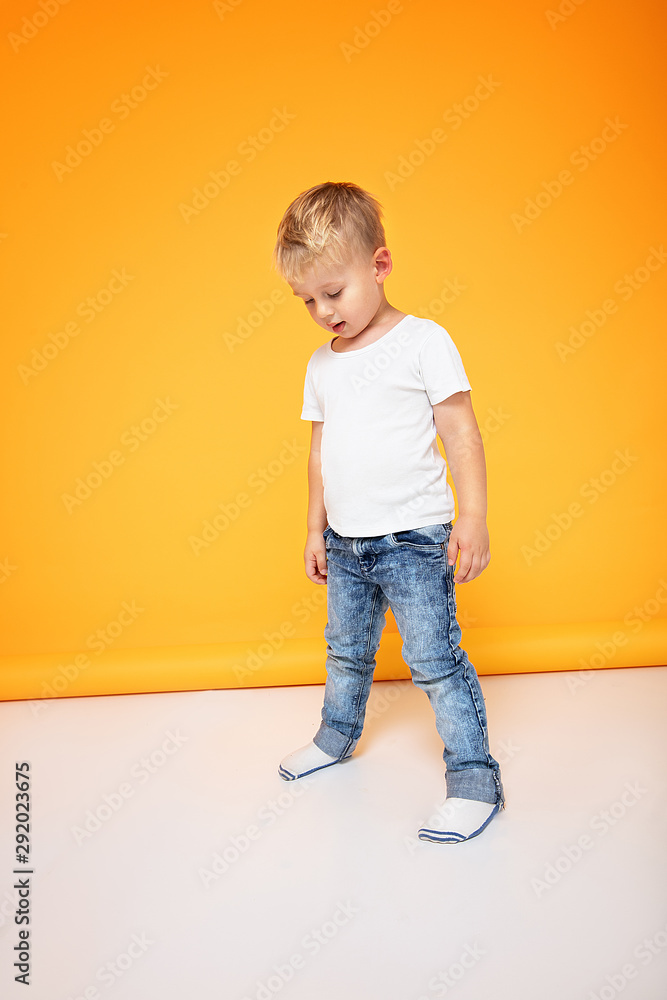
[(465, 565), (314, 573)]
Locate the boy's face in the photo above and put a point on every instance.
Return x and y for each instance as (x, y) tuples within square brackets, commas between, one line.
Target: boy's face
[(345, 299)]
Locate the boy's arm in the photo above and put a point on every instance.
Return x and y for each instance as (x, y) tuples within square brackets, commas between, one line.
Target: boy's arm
[(314, 554), (457, 428)]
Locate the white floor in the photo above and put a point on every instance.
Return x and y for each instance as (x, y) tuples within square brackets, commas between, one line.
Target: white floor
[(171, 862)]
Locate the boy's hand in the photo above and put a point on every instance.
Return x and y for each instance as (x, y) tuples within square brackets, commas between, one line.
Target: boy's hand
[(315, 557), (470, 538)]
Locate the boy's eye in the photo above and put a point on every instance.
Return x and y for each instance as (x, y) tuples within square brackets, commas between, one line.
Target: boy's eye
[(332, 295)]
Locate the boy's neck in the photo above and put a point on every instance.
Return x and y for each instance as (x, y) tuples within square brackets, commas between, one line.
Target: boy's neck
[(379, 326)]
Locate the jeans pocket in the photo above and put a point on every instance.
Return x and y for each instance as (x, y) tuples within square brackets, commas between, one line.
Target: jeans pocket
[(431, 536)]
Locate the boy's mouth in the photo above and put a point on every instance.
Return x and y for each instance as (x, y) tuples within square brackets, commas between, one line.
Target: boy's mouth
[(337, 327)]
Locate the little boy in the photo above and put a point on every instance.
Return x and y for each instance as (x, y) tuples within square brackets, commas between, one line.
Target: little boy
[(380, 510)]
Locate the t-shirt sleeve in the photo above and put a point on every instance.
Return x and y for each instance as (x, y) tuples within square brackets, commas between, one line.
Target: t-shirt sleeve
[(311, 408), (441, 367)]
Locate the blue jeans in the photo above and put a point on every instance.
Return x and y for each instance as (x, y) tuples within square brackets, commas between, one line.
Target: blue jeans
[(407, 571)]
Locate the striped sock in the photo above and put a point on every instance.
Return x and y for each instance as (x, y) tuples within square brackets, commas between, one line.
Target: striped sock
[(305, 760), (458, 820)]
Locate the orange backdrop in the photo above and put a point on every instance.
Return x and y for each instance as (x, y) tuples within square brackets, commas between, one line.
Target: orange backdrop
[(153, 453)]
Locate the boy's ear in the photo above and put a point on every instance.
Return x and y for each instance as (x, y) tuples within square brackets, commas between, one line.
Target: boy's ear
[(383, 262)]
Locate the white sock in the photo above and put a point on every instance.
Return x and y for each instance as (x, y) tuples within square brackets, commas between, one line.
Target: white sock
[(304, 761), (457, 820)]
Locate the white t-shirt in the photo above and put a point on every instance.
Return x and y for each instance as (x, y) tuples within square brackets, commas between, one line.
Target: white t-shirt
[(382, 470)]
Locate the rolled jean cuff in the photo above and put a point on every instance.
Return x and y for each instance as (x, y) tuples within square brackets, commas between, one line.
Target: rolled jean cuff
[(480, 783), (332, 742)]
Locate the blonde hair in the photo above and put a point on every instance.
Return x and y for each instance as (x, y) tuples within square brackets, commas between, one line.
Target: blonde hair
[(330, 222)]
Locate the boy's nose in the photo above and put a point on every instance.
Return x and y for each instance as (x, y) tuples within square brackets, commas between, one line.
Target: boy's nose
[(324, 310)]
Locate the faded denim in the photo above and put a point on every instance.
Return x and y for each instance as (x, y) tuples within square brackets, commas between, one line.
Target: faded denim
[(408, 572)]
